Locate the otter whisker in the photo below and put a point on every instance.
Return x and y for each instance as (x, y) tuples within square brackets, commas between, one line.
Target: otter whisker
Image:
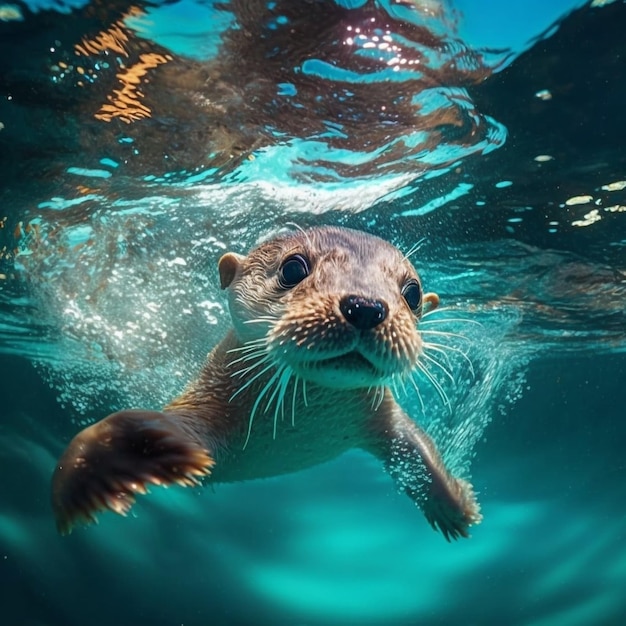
[(260, 319), (444, 333), (275, 378), (436, 384), (436, 363), (418, 392), (275, 383), (439, 349), (436, 347), (255, 377), (293, 399), (284, 381), (279, 394), (259, 355), (254, 349), (250, 342), (445, 320), (377, 396), (443, 309), (393, 383), (398, 385), (414, 248), (242, 372), (268, 385), (253, 344), (304, 232)]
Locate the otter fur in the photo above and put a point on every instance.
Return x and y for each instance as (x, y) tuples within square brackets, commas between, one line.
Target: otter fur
[(324, 324)]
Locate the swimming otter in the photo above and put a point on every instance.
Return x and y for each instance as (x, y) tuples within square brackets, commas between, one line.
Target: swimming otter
[(324, 322)]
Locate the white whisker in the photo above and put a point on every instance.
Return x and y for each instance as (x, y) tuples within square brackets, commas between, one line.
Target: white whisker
[(398, 380), (444, 333), (246, 370), (442, 348), (302, 230), (268, 385), (293, 400), (380, 394), (414, 248), (436, 384), (265, 319), (439, 349), (255, 377), (436, 363), (253, 344), (377, 396), (259, 354), (445, 320), (418, 392), (279, 394)]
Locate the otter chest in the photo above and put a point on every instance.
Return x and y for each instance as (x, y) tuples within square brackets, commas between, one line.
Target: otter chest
[(314, 434)]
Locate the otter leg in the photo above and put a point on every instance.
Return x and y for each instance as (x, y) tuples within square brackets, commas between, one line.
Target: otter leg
[(109, 462), (412, 459)]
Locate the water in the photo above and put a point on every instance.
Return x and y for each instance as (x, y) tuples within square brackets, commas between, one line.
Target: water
[(140, 143)]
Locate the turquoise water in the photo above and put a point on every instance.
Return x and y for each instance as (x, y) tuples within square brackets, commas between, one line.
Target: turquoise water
[(138, 143)]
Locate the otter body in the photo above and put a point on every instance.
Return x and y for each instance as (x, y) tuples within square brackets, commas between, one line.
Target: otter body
[(324, 326)]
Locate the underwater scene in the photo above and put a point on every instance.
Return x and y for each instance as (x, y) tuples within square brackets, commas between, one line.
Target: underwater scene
[(147, 146)]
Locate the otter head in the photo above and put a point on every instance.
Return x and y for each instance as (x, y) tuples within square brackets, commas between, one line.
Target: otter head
[(338, 307)]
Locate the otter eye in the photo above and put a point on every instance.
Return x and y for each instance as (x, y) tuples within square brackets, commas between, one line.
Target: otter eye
[(293, 270), (412, 293)]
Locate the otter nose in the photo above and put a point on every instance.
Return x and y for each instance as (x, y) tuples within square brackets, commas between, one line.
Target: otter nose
[(363, 313)]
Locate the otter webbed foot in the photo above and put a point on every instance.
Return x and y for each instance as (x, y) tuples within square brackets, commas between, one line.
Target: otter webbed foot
[(451, 507), (111, 461), (449, 503), (411, 457)]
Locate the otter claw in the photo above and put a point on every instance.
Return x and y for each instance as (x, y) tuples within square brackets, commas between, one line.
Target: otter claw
[(453, 514)]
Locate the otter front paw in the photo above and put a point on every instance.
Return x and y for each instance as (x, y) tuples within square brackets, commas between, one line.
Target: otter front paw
[(451, 508), (108, 463)]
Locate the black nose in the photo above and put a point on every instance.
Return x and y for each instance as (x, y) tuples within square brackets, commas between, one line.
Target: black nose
[(363, 313)]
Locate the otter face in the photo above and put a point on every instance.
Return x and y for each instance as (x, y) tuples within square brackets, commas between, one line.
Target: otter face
[(333, 306)]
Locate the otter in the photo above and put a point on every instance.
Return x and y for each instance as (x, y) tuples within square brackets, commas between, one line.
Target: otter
[(324, 327)]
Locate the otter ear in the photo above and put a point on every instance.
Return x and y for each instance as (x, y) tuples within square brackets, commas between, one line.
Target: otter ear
[(431, 302), (228, 267)]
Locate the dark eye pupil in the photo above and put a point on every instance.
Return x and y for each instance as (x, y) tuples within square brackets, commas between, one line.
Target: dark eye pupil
[(293, 270), (413, 295)]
